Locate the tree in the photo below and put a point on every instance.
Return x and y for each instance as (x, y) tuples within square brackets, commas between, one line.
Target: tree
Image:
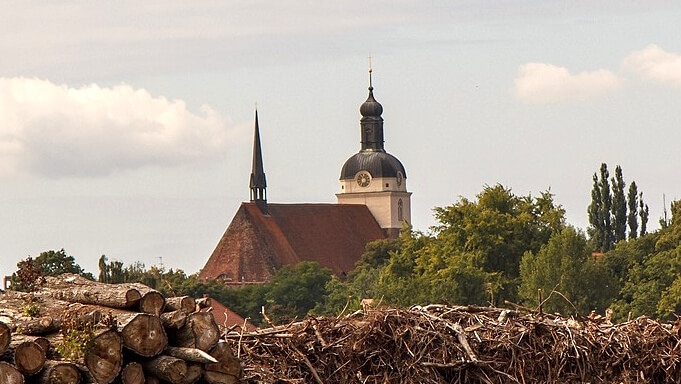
[(53, 263), (619, 206), (607, 212), (643, 213), (606, 206), (597, 228), (632, 220), (570, 280)]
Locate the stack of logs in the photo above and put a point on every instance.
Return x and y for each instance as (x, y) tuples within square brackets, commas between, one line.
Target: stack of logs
[(135, 335)]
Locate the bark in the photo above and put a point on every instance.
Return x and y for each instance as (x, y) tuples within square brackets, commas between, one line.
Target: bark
[(77, 289), (153, 380), (27, 354), (175, 319), (9, 374), (59, 372), (212, 377), (142, 333), (227, 362), (152, 301), (201, 332), (167, 368), (5, 337), (194, 373), (203, 302), (187, 303), (132, 373), (35, 326), (190, 354)]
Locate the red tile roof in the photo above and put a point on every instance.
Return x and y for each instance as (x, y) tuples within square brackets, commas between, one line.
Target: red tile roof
[(227, 318), (255, 245)]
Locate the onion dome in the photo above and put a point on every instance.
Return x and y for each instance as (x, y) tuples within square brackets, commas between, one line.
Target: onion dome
[(371, 107), (378, 164)]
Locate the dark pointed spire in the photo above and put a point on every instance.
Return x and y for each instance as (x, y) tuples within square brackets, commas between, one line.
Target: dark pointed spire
[(371, 122), (258, 183)]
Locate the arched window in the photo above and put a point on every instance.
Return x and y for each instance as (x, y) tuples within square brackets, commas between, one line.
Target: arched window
[(400, 210)]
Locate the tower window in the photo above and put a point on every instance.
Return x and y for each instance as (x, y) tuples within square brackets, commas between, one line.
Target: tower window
[(387, 185), (400, 210)]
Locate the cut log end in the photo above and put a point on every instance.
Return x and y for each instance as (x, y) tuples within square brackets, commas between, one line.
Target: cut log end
[(59, 372), (132, 374), (152, 302), (29, 357), (132, 296), (187, 303), (144, 334), (105, 357), (5, 337), (212, 377), (10, 374), (201, 332)]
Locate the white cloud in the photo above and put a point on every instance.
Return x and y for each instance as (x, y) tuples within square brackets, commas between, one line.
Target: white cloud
[(653, 63), (540, 83), (57, 131)]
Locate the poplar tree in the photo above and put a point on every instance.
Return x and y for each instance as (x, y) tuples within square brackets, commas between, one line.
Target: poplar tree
[(643, 213), (597, 229), (606, 206), (619, 206), (632, 198)]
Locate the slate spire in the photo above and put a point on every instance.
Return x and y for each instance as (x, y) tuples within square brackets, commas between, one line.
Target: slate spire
[(371, 123), (258, 183)]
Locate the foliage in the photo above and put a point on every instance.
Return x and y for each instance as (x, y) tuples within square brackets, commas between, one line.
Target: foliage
[(30, 307), (78, 337), (650, 270), (28, 276), (565, 273), (53, 263), (607, 212)]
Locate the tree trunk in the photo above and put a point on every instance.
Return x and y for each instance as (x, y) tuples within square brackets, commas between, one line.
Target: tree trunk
[(153, 380), (5, 337), (201, 332), (167, 368), (59, 372), (27, 353), (132, 373), (142, 333), (152, 301), (35, 326), (175, 319), (190, 354), (227, 362), (10, 374), (77, 289), (187, 303)]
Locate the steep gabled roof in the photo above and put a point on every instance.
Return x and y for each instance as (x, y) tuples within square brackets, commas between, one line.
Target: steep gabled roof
[(256, 244)]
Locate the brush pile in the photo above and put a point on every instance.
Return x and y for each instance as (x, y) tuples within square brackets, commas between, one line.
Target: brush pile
[(442, 344), (70, 330)]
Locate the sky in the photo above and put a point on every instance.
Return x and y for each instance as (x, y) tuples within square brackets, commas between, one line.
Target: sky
[(126, 127)]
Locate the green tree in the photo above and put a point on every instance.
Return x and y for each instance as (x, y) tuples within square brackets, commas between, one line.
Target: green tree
[(606, 206), (597, 225), (619, 206), (295, 290), (570, 280), (632, 201), (643, 214)]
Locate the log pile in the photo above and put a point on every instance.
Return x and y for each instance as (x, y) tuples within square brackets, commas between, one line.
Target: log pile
[(445, 344), (72, 331)]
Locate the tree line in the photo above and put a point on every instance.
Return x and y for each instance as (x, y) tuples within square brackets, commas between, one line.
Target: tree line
[(496, 249)]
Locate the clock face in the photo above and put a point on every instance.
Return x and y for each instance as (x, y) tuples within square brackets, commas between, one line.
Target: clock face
[(363, 179), (400, 177)]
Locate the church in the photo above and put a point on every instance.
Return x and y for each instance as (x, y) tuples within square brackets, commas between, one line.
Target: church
[(373, 203)]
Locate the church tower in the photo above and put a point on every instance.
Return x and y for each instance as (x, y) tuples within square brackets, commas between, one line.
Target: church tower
[(258, 182), (373, 177)]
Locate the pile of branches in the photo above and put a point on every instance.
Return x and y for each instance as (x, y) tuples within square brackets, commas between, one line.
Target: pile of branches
[(70, 330), (449, 344)]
